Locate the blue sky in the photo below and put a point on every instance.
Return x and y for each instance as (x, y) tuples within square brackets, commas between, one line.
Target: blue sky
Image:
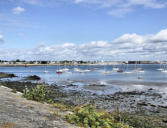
[(28, 26)]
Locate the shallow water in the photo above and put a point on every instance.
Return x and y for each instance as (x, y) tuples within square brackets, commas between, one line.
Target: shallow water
[(126, 81)]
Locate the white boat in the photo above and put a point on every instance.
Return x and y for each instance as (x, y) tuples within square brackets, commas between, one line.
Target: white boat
[(116, 69), (165, 71), (65, 69), (87, 70), (77, 69), (82, 71), (106, 72), (128, 72), (140, 70), (69, 72), (160, 69), (45, 71)]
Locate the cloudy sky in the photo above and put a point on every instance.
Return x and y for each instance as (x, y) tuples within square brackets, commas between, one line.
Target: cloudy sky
[(83, 29)]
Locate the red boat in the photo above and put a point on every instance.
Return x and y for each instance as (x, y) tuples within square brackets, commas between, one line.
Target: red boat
[(59, 72)]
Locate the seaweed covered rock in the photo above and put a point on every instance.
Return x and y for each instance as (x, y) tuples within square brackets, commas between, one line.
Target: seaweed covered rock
[(7, 75), (33, 77)]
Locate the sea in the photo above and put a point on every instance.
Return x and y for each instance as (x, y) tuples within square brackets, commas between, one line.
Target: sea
[(149, 77)]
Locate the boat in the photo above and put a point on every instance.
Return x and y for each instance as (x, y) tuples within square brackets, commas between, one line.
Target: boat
[(96, 69), (106, 72), (127, 70), (160, 69), (164, 71), (76, 69), (120, 71), (87, 70), (82, 71), (116, 69), (69, 72), (140, 70), (65, 69), (139, 77), (59, 71), (46, 71)]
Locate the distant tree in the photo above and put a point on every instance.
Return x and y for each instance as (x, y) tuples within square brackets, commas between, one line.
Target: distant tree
[(17, 60), (44, 62)]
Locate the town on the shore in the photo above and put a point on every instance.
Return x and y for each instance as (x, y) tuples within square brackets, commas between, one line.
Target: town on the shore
[(75, 62)]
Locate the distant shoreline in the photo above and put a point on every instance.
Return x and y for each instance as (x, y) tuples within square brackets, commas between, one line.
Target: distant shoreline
[(28, 65)]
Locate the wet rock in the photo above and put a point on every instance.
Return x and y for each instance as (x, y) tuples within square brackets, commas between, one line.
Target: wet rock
[(34, 77), (142, 104), (150, 89), (165, 121), (130, 93), (71, 85), (152, 105), (19, 86), (98, 85), (162, 106), (7, 75)]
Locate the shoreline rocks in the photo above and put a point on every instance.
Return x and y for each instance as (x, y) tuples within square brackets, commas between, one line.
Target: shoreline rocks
[(33, 77), (7, 75)]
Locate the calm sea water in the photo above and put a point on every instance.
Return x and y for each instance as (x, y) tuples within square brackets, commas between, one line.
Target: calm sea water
[(150, 73), (150, 78)]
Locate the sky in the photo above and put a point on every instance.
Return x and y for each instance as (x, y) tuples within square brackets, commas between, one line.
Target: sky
[(83, 30)]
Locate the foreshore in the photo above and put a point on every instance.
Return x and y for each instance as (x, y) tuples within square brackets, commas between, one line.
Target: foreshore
[(140, 104), (17, 112)]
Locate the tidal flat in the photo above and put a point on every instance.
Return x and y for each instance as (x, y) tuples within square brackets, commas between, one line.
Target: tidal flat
[(141, 100)]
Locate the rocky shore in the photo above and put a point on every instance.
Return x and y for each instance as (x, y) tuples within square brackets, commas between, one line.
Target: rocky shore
[(17, 112), (144, 104)]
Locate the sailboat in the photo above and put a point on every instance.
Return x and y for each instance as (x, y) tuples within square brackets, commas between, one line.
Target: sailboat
[(76, 69), (127, 69), (140, 69), (105, 72), (161, 68), (164, 69), (59, 71), (66, 70), (115, 68), (88, 69), (46, 71)]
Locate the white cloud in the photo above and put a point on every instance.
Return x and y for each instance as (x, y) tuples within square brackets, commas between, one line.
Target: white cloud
[(18, 10), (33, 2), (126, 47), (114, 7), (120, 12), (1, 38), (121, 7)]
